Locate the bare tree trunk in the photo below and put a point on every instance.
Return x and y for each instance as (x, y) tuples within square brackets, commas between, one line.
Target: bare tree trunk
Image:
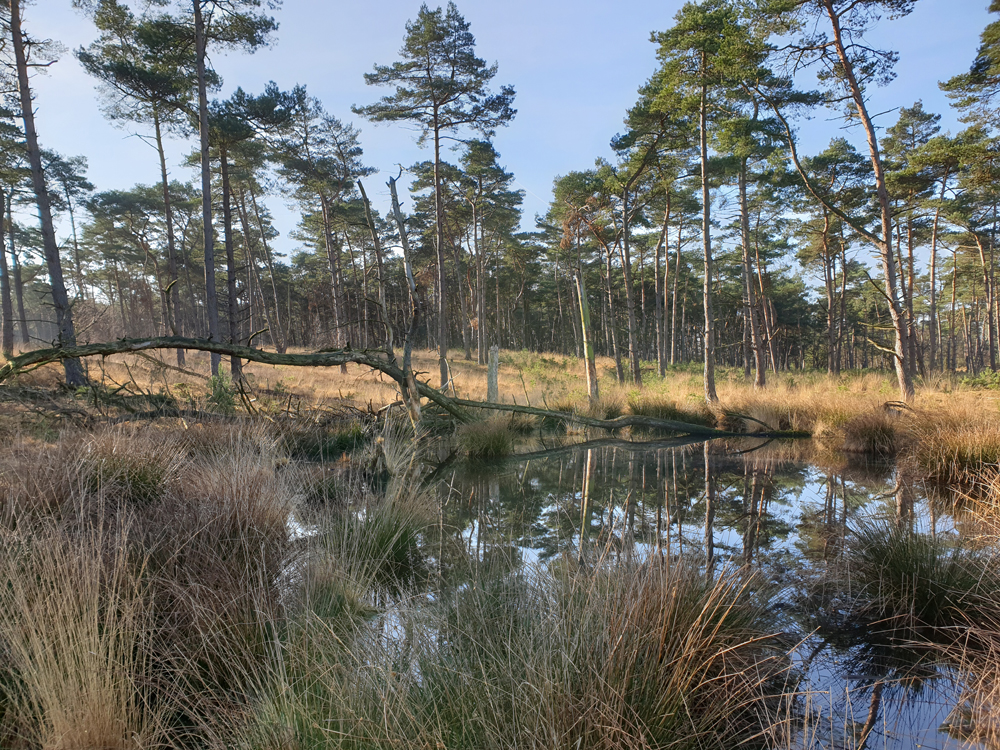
[(6, 308), (232, 303), (439, 241), (633, 333), (408, 385), (751, 302), (173, 293), (60, 298), (611, 324), (706, 227), (463, 303), (281, 341), (211, 295), (588, 347), (888, 262), (272, 326), (22, 319), (383, 307), (673, 311)]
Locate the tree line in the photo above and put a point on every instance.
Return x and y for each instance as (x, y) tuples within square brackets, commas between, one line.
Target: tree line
[(708, 238)]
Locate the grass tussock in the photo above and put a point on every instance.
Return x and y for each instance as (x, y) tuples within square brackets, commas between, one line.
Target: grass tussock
[(73, 627), (134, 604), (489, 438), (660, 407), (644, 656), (956, 445), (610, 405), (905, 581), (874, 433)]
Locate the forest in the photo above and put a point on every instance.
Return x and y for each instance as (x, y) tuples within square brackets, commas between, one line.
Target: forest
[(704, 455), (696, 244)]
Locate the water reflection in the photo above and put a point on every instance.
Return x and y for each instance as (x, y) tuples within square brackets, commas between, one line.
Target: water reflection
[(789, 519)]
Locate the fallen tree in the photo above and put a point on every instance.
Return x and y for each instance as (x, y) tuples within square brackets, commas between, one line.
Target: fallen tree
[(374, 359)]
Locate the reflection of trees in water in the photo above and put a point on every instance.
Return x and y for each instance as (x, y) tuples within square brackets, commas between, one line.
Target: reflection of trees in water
[(787, 518), (615, 501), (752, 509)]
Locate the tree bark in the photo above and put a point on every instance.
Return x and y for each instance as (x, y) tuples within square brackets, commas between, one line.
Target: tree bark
[(6, 308), (60, 298), (211, 295), (706, 226)]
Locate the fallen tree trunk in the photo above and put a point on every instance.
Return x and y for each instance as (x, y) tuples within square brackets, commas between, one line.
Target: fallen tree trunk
[(374, 359)]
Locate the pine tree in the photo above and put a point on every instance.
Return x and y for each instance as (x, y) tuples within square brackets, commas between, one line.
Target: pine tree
[(441, 86)]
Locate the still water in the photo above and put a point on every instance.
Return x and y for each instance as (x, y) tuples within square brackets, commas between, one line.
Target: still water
[(725, 505)]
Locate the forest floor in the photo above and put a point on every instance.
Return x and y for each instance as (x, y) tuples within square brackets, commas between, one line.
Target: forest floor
[(271, 567)]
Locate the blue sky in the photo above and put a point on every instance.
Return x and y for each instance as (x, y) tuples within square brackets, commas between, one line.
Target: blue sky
[(576, 67)]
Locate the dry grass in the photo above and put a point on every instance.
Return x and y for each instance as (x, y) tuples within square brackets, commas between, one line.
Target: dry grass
[(139, 586), (956, 445), (630, 657), (73, 623)]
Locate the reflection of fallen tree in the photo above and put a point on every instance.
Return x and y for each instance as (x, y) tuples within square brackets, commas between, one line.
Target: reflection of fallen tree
[(376, 360)]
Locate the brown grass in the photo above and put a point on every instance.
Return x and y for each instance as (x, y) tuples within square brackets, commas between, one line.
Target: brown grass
[(73, 620)]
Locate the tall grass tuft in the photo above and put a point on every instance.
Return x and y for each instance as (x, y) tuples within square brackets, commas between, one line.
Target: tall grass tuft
[(904, 580), (74, 624), (489, 438), (872, 433), (637, 656), (955, 447), (661, 407)]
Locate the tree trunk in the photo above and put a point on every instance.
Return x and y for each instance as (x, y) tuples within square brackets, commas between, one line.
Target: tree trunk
[(706, 226), (211, 295), (232, 303), (611, 324), (60, 298), (439, 241), (673, 307), (463, 303), (380, 268), (408, 386), (272, 326), (588, 347), (751, 303), (173, 293), (281, 340), (6, 308), (633, 333), (22, 319), (888, 262)]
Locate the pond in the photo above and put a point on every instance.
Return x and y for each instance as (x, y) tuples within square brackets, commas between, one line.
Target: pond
[(732, 505)]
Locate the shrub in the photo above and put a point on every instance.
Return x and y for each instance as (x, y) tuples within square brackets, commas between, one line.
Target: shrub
[(222, 394)]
